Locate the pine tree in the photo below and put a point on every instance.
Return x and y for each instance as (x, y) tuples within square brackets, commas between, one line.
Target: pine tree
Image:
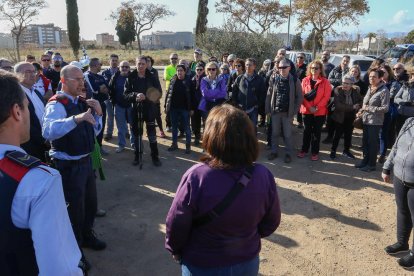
[(73, 25)]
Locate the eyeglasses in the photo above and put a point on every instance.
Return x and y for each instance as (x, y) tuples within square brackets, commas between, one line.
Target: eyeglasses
[(45, 59), (75, 79), (141, 63), (211, 69), (238, 65), (301, 57), (282, 67), (174, 58), (125, 67), (315, 68), (346, 83)]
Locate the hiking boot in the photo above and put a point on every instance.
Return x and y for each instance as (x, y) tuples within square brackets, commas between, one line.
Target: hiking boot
[(332, 155), (91, 241), (348, 154), (381, 159), (173, 147), (407, 261), (287, 159), (272, 156), (396, 248), (156, 161)]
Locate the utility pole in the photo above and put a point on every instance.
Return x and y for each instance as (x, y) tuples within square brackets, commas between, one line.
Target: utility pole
[(290, 12)]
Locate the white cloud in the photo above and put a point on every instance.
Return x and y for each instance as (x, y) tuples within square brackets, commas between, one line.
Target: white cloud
[(400, 17)]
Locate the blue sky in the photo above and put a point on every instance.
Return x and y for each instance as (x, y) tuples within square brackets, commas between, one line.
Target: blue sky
[(392, 16)]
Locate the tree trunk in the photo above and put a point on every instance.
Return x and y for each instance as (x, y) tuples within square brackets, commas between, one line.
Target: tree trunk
[(18, 47), (369, 45), (314, 43), (139, 45), (201, 24)]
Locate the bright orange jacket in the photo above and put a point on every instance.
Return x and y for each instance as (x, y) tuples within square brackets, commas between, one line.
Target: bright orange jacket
[(321, 100)]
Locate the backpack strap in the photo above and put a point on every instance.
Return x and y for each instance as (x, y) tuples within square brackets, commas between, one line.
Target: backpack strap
[(227, 200), (16, 164)]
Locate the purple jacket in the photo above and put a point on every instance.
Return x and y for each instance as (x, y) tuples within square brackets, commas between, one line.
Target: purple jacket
[(212, 94), (232, 238)]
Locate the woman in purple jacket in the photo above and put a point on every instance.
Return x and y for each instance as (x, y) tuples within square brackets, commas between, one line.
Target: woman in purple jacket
[(213, 88), (229, 244)]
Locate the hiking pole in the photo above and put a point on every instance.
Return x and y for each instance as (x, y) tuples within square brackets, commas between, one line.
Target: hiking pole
[(139, 143)]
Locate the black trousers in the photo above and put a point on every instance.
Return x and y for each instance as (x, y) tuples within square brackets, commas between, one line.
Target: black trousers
[(370, 144), (330, 125), (196, 119), (399, 123), (404, 198), (79, 187), (312, 132), (158, 117), (346, 128), (100, 135)]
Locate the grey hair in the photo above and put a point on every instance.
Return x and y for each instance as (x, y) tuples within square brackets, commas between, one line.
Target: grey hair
[(284, 62), (348, 77), (18, 66)]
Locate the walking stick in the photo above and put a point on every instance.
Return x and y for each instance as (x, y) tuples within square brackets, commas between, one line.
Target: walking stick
[(139, 144)]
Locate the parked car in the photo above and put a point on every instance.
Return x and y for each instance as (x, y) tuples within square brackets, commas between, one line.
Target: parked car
[(292, 56), (363, 61), (399, 53)]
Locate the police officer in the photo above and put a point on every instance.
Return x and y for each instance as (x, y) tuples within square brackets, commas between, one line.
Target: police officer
[(138, 83), (32, 206), (71, 124)]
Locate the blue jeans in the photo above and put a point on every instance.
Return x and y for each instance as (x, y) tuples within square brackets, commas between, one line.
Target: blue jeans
[(370, 143), (109, 118), (384, 133), (182, 115), (123, 117), (249, 268)]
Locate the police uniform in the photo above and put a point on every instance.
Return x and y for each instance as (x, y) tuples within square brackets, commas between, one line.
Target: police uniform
[(36, 237), (71, 146)]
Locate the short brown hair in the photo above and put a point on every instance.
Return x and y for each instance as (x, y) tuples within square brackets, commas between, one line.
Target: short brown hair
[(229, 138)]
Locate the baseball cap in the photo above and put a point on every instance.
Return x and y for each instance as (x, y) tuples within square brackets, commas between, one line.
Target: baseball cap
[(198, 51)]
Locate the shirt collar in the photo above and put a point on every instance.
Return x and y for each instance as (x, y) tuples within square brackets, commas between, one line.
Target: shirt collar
[(25, 89)]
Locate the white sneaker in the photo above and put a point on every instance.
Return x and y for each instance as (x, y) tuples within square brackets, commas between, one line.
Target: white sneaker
[(119, 149)]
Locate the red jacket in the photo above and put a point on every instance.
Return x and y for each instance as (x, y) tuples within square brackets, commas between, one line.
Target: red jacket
[(321, 100)]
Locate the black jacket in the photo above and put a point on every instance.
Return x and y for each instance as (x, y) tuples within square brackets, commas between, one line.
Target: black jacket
[(248, 94), (189, 94)]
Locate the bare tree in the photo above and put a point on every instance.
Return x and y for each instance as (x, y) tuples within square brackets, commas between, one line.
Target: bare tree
[(146, 14), (19, 13), (257, 16), (322, 15)]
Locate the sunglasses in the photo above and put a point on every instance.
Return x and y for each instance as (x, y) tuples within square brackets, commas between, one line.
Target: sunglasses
[(125, 67), (282, 67), (199, 69), (45, 59), (211, 69), (238, 65), (174, 58), (315, 68)]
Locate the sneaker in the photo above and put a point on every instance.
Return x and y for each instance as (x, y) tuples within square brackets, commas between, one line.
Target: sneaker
[(162, 134), (104, 152), (301, 154), (367, 169), (272, 156), (407, 261), (332, 155), (396, 248), (119, 149), (315, 157), (348, 154), (287, 159), (108, 137), (328, 140), (381, 159), (173, 147), (91, 241)]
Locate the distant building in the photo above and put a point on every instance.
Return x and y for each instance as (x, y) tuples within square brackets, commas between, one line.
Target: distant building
[(168, 40), (105, 39), (44, 36), (6, 41)]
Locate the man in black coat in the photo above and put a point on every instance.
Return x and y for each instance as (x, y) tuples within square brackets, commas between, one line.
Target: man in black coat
[(140, 87)]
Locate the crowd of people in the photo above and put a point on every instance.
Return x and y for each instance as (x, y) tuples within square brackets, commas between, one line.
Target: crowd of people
[(60, 113)]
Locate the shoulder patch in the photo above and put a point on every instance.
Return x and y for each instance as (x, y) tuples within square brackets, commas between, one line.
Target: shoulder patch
[(23, 159), (59, 98)]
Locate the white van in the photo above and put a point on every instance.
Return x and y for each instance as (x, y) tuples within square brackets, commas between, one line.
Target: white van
[(293, 54)]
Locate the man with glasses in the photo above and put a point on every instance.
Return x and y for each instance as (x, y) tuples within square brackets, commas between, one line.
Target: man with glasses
[(137, 86), (169, 72), (99, 89), (122, 107), (327, 66), (249, 91), (281, 53), (6, 65), (301, 73), (45, 62), (53, 73), (107, 74), (36, 146), (283, 100), (71, 124)]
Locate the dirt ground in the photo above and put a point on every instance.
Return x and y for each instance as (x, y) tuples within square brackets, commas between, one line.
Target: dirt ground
[(336, 220)]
